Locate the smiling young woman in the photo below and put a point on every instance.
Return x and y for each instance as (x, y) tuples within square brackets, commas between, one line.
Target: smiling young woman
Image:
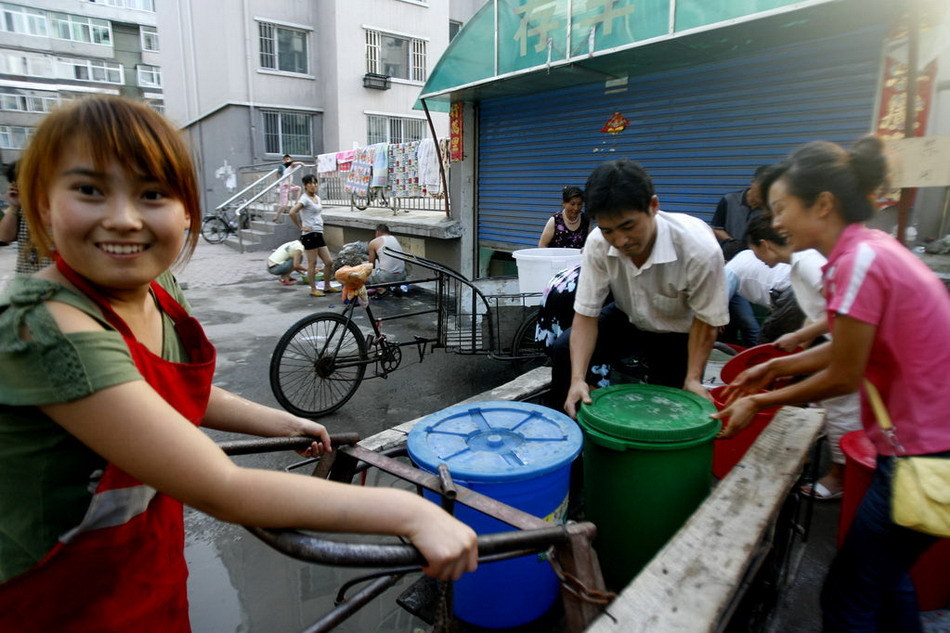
[(876, 292), (104, 380)]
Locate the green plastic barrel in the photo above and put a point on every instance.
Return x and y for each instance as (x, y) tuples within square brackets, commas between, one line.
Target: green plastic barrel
[(648, 454)]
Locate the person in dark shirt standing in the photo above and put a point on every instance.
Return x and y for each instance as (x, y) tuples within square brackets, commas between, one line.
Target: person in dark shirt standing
[(730, 224)]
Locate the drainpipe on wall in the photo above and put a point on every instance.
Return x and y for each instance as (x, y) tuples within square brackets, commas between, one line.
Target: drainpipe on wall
[(250, 84)]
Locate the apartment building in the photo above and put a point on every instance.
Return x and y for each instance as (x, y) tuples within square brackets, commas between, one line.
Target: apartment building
[(57, 50), (252, 80)]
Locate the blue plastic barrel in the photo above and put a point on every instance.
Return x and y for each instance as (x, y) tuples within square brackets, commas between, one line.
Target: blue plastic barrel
[(519, 454)]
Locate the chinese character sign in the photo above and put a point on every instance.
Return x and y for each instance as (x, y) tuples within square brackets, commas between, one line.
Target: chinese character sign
[(893, 109), (456, 154)]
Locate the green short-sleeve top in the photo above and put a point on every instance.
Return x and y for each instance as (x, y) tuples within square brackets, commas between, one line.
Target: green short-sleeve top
[(46, 475)]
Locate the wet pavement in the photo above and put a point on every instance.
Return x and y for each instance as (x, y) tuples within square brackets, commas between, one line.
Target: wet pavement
[(239, 585)]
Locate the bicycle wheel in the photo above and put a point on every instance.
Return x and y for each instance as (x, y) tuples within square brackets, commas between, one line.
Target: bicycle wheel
[(524, 344), (318, 364), (214, 230), (360, 202)]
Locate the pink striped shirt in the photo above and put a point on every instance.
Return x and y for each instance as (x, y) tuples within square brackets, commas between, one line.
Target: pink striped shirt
[(873, 278)]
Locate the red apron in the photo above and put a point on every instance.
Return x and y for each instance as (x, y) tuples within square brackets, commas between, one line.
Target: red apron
[(123, 568)]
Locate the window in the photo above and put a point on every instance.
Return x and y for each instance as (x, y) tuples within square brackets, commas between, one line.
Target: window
[(282, 48), (17, 19), (386, 129), (89, 70), (29, 64), (454, 28), (14, 136), (149, 37), (395, 56), (287, 133), (39, 103), (149, 76), (80, 29), (141, 5)]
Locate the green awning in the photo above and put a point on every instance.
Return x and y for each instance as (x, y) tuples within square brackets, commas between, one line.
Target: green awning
[(524, 46)]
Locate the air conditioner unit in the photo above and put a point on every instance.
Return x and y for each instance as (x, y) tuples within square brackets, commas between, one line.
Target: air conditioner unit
[(376, 81)]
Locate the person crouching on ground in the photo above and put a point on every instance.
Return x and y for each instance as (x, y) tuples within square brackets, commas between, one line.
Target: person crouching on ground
[(287, 258)]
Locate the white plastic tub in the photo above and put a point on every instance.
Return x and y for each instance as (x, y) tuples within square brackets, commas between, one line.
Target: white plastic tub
[(536, 266)]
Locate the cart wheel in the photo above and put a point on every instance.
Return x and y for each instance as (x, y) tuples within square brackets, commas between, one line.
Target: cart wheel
[(318, 364), (360, 202), (214, 230), (524, 344)]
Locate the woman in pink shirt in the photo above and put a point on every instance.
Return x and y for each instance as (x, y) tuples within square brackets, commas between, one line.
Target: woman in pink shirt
[(890, 319)]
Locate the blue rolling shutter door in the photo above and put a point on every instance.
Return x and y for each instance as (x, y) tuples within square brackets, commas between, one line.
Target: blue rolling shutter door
[(700, 132)]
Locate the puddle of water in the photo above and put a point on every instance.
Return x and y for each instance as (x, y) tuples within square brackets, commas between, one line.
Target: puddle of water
[(239, 585)]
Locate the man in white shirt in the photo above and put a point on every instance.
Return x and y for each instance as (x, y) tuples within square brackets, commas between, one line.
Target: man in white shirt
[(665, 271)]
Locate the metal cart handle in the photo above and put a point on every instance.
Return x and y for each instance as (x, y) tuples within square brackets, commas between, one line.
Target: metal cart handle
[(341, 553)]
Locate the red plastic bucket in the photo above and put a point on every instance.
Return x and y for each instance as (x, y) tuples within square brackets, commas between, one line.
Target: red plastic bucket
[(750, 358), (728, 452), (930, 572)]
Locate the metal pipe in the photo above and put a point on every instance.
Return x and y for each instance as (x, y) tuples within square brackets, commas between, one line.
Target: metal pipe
[(324, 551), (354, 604), (449, 491), (438, 153), (275, 444)]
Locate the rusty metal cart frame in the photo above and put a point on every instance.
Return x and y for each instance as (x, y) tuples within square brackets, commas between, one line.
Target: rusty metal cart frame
[(321, 360), (583, 592)]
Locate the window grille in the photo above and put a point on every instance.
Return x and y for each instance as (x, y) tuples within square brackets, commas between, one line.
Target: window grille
[(283, 48), (395, 56), (372, 52), (387, 129), (418, 60), (287, 133)]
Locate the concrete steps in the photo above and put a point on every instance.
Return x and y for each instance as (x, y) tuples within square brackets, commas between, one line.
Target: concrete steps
[(263, 234)]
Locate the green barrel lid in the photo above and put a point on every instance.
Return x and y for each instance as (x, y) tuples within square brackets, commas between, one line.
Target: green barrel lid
[(649, 413)]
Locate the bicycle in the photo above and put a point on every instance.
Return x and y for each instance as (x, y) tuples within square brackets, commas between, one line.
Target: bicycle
[(217, 226), (375, 196), (321, 360)]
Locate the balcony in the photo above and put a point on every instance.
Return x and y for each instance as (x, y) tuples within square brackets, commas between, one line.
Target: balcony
[(376, 81)]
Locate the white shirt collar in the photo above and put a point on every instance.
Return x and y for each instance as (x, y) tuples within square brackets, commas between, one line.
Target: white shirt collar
[(663, 250)]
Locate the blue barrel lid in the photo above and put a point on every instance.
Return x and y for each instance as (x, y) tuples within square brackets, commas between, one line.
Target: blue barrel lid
[(495, 441)]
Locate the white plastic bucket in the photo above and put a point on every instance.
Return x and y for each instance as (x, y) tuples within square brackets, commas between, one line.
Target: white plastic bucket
[(536, 266)]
